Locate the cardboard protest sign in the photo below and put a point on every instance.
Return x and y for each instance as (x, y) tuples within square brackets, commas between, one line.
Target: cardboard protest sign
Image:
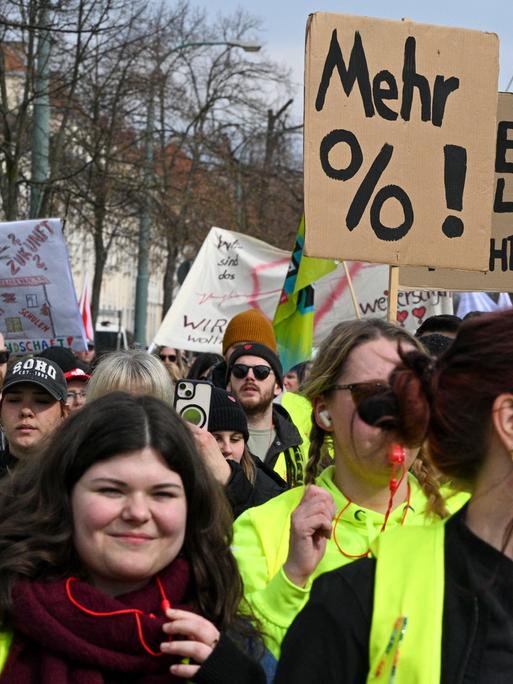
[(234, 272), (499, 250), (399, 141), (38, 303)]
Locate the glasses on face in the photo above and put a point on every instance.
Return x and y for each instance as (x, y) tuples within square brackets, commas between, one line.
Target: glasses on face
[(167, 357), (363, 390), (240, 370), (4, 356), (73, 396)]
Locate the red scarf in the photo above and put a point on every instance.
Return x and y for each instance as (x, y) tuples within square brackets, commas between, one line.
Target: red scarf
[(57, 643)]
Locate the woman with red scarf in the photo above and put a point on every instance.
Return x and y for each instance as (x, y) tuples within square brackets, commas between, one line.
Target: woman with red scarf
[(114, 558)]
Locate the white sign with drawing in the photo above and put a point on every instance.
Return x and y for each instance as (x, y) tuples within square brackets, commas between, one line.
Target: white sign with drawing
[(234, 272), (38, 303)]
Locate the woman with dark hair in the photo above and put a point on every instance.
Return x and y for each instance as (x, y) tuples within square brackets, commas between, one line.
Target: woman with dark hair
[(102, 565), (355, 489), (435, 604)]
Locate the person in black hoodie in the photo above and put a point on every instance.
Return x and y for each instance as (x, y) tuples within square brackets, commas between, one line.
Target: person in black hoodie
[(247, 481)]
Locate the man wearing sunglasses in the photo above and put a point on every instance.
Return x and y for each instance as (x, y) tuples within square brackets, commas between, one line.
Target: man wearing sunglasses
[(255, 378)]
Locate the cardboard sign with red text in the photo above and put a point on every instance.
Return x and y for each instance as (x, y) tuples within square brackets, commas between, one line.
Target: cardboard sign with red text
[(38, 303)]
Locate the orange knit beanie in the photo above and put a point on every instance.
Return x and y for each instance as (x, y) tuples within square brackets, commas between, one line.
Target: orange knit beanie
[(249, 326)]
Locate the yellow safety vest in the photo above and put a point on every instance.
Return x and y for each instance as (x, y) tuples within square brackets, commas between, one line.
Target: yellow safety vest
[(405, 644)]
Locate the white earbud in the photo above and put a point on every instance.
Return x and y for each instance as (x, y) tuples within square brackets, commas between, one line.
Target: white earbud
[(325, 418)]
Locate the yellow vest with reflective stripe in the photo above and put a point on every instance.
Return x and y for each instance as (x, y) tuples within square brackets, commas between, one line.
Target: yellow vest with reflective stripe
[(405, 644)]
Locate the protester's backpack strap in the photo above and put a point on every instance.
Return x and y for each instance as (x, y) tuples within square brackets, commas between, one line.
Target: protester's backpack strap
[(405, 645)]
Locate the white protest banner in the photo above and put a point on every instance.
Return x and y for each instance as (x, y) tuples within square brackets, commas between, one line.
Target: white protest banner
[(499, 277), (370, 281), (399, 141), (234, 272), (38, 303)]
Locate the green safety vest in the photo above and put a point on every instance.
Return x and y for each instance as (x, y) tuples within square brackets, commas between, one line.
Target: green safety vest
[(405, 645), (5, 645)]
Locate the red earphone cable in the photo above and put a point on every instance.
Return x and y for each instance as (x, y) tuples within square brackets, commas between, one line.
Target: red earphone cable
[(136, 612), (396, 457), (165, 604)]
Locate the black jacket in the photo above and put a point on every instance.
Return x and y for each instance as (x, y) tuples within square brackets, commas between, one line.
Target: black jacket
[(242, 494), (217, 375), (228, 658), (477, 628), (287, 440)]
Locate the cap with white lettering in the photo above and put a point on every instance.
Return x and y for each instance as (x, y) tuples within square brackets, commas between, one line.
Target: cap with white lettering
[(38, 371)]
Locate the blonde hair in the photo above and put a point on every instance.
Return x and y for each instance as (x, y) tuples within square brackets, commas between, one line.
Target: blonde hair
[(135, 372), (326, 369)]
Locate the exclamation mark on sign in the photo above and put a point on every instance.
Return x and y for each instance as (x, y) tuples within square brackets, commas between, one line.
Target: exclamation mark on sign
[(454, 180)]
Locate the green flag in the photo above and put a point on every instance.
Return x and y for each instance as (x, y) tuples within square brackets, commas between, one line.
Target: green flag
[(294, 317)]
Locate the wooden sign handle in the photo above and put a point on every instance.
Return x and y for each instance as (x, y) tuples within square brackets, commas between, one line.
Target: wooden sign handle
[(351, 290), (393, 290)]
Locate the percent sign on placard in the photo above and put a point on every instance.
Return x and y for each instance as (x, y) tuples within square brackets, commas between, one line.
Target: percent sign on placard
[(455, 167)]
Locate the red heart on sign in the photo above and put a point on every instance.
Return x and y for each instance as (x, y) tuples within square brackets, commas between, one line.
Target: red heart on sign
[(419, 312), (402, 316)]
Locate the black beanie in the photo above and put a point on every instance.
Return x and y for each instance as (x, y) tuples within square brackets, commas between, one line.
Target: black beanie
[(226, 414), (261, 351)]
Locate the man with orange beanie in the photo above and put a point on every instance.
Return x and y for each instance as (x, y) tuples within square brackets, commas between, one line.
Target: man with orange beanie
[(247, 326)]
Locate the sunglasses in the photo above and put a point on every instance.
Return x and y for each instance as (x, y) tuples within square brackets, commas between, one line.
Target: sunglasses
[(375, 403), (363, 390), (240, 370), (4, 356), (167, 357)]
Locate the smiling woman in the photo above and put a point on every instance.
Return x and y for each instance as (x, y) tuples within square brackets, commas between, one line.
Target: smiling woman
[(98, 551)]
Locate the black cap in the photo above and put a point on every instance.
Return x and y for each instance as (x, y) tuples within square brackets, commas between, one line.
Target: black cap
[(62, 356), (38, 371), (260, 350), (226, 414)]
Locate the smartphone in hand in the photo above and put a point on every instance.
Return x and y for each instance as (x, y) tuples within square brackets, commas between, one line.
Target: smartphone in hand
[(192, 401)]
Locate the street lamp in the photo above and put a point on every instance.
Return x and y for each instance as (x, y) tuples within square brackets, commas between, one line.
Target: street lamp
[(141, 286)]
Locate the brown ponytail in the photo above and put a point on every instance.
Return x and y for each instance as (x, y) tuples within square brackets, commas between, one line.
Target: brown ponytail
[(318, 454), (430, 481)]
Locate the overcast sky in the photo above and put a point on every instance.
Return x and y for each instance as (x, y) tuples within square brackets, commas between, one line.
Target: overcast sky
[(284, 23)]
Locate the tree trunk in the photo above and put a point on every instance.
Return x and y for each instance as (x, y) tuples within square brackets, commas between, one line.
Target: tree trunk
[(169, 275), (100, 257)]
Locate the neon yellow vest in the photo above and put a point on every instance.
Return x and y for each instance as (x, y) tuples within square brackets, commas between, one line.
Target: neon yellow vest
[(300, 412), (405, 645), (5, 645)]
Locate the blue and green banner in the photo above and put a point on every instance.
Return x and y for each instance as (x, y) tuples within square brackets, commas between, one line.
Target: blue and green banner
[(294, 317)]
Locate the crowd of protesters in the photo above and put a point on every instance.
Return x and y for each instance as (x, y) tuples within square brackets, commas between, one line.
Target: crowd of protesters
[(348, 520)]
